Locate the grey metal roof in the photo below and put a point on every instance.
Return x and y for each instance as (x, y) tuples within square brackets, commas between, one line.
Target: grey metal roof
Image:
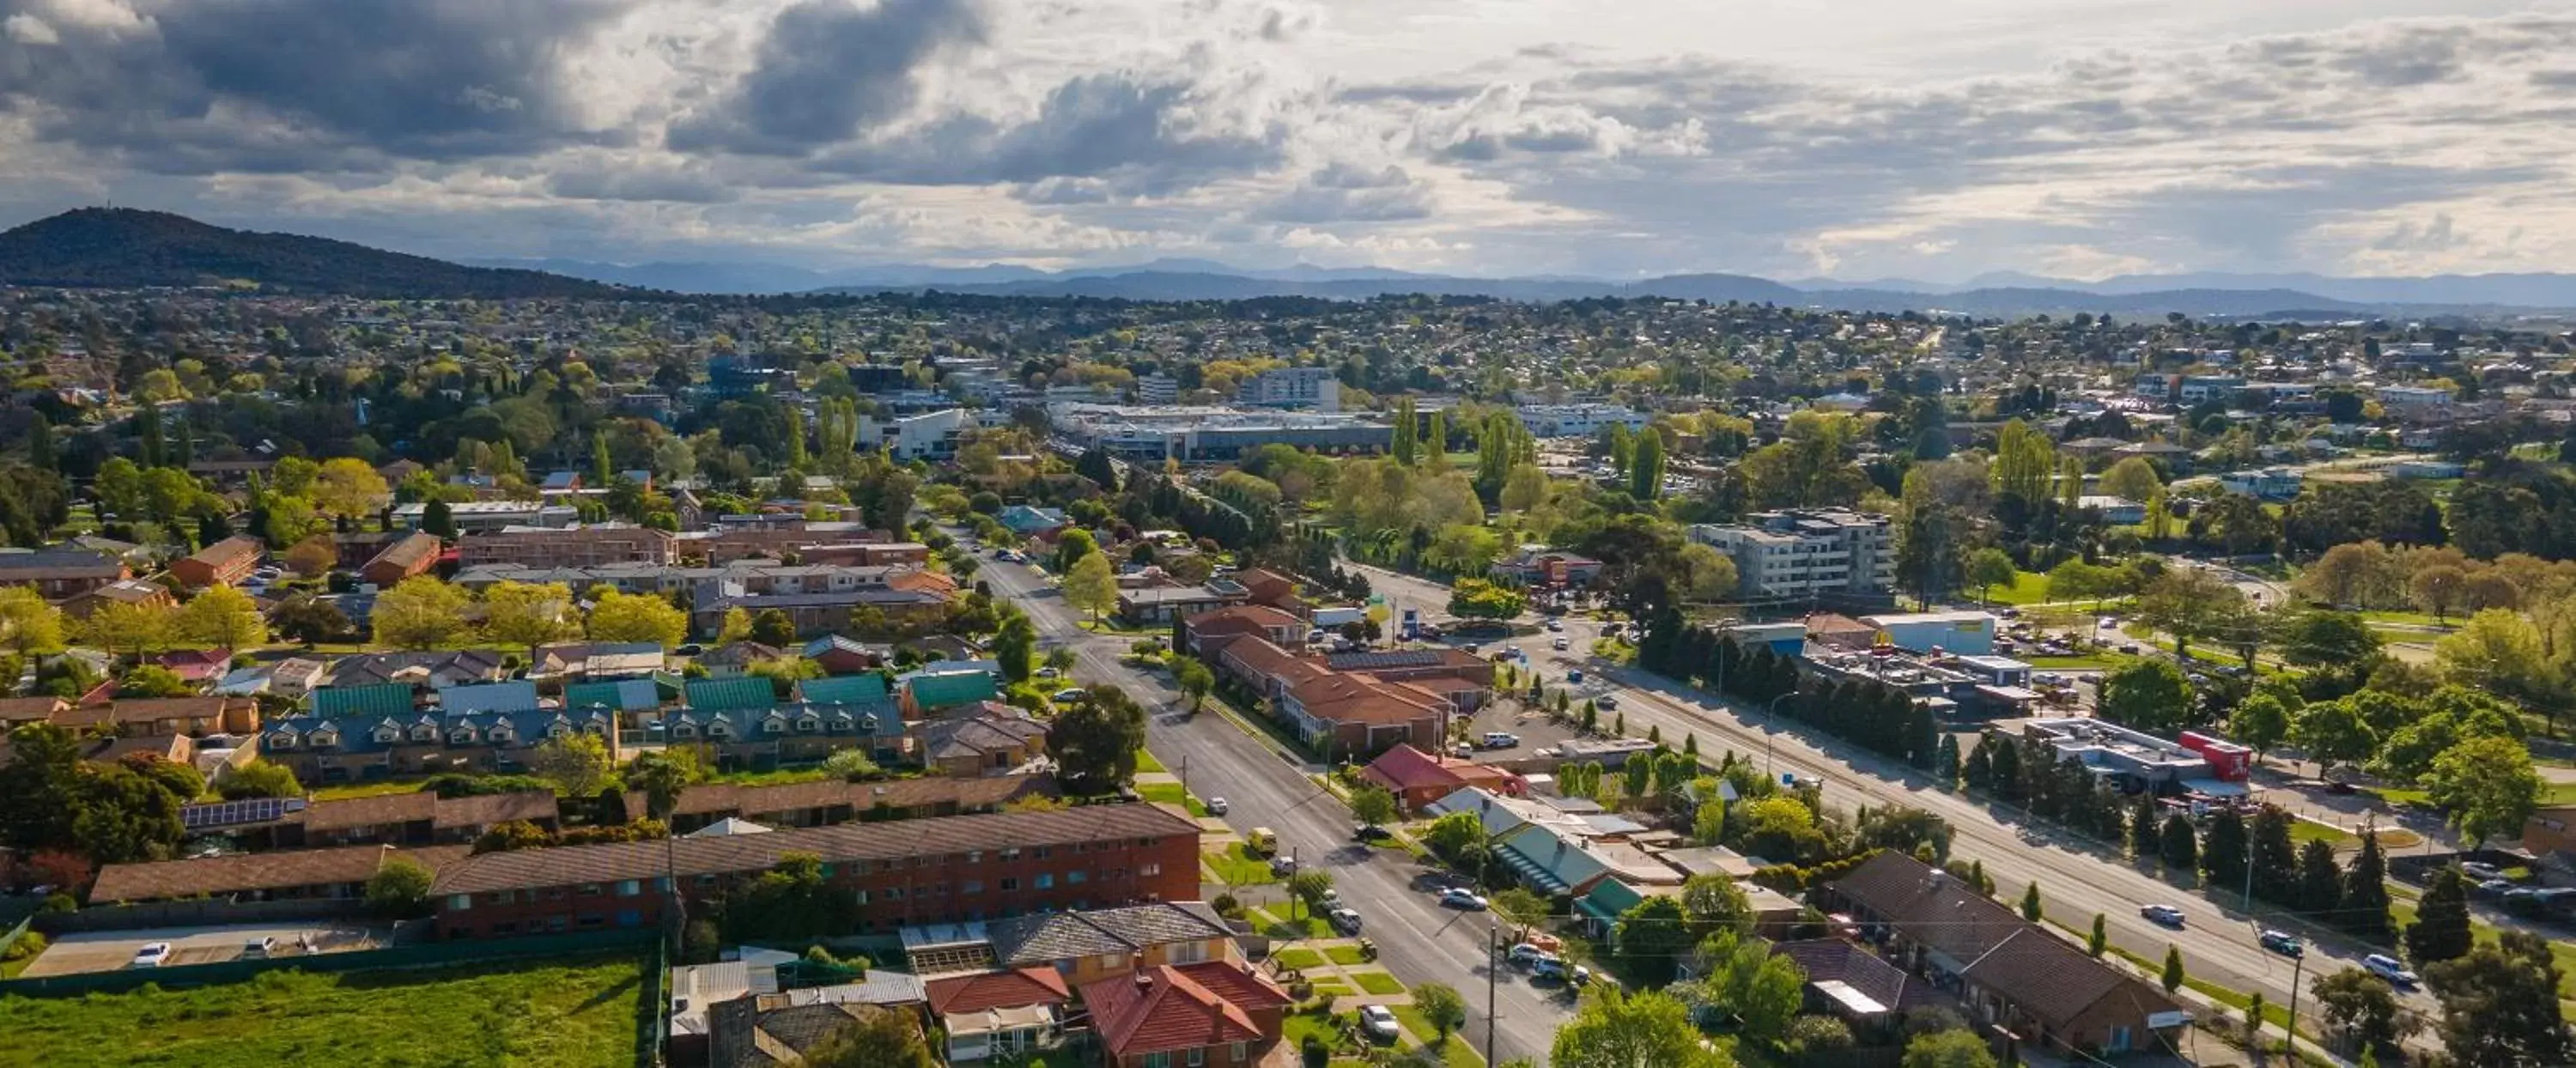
[(1066, 935)]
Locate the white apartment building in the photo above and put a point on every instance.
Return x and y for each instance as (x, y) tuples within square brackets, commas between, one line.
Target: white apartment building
[(2416, 403), (1161, 388), (1293, 387), (1807, 552), (1577, 420), (928, 435)]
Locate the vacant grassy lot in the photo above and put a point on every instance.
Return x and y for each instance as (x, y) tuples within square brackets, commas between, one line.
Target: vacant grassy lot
[(577, 1013)]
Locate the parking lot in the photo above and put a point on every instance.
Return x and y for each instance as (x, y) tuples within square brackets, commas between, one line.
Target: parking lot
[(107, 951)]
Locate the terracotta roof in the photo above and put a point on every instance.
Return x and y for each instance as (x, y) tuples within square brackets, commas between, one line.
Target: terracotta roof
[(1010, 989), (1407, 768), (151, 709), (1357, 699), (484, 810), (1242, 619), (410, 552), (229, 549), (1260, 657), (159, 880), (31, 709), (372, 811), (608, 862), (1167, 1009)]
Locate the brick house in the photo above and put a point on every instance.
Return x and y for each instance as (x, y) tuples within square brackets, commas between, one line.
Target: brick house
[(223, 563), (943, 870), (195, 717), (141, 592), (990, 738), (58, 573), (830, 802), (2008, 972), (412, 554), (542, 547), (1207, 632), (328, 874), (1417, 778), (1213, 1015)]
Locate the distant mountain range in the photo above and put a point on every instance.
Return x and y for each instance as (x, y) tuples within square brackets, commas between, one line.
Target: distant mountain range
[(121, 248), (124, 248)]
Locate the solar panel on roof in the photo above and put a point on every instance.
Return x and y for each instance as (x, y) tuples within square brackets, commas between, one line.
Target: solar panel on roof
[(235, 813)]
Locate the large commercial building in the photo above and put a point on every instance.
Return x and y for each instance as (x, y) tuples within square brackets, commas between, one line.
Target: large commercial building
[(1293, 387), (1190, 432), (1577, 420), (1807, 552)]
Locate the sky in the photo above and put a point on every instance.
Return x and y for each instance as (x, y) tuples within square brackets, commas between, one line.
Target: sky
[(1856, 139)]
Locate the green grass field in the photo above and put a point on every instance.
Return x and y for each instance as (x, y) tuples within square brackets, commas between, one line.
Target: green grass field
[(376, 788), (1237, 866), (567, 1014), (1346, 955), (1171, 793), (1298, 959), (1377, 982), (2029, 587)]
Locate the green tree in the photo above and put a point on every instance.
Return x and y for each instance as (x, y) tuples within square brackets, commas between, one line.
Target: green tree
[(773, 627), (29, 627), (879, 1038), (663, 774), (1195, 680), (1442, 1008), (1652, 935), (2100, 938), (259, 779), (121, 816), (399, 888), (1953, 1048), (1071, 546), (221, 617), (1614, 1029), (2500, 1004), (527, 614), (1475, 598), (2173, 974), (1988, 568), (437, 517), (421, 612), (2031, 909), (2362, 1006), (1095, 741), (121, 627), (2487, 785), (2178, 844), (1015, 647), (578, 765), (1091, 587), (2441, 930), (2332, 732), (2222, 851), (346, 487), (2260, 722), (1646, 466), (2147, 695), (2133, 478), (1373, 806), (2364, 910), (2025, 462), (1307, 887)]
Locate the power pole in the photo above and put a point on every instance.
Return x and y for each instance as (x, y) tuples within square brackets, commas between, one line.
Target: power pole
[(2290, 1043), (1493, 964)]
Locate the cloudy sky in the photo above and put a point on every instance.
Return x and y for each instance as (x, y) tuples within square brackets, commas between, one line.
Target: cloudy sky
[(1933, 139)]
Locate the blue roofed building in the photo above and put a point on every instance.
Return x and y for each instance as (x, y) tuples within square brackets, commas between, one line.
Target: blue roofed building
[(359, 747)]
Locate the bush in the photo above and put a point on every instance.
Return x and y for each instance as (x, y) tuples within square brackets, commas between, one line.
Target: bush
[(27, 945), (1314, 1052), (1226, 906)]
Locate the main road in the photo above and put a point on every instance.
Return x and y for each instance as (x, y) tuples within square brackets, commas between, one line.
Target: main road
[(2076, 879), (1417, 940)]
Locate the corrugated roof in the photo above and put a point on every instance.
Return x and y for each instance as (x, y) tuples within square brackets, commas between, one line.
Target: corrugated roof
[(624, 695), (515, 696), (1024, 940), (867, 689), (950, 688), (725, 695), (158, 880), (383, 699)]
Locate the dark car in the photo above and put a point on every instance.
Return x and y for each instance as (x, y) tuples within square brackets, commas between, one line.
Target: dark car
[(1371, 834)]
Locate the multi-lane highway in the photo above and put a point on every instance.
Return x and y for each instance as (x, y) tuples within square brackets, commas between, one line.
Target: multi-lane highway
[(1417, 940)]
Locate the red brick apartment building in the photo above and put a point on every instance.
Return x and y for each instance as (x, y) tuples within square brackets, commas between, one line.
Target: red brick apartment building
[(945, 870), (543, 547), (221, 564)]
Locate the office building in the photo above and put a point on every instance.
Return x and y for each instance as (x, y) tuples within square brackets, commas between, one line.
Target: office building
[(1807, 552)]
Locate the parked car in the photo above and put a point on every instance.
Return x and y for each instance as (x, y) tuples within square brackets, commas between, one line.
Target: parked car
[(2386, 967), (1379, 1022), (2492, 888), (1463, 751), (1462, 898), (1526, 955), (1345, 920), (2283, 943), (1556, 624), (2481, 872), (259, 948), (2166, 915), (1548, 968), (1561, 645), (1216, 806), (1049, 673), (1609, 700), (1068, 695), (1574, 678), (1368, 832), (152, 955), (1501, 739)]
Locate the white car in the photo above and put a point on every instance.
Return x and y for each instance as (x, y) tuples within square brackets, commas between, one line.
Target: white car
[(1216, 806), (1379, 1022), (1526, 955), (1347, 921), (152, 955), (2387, 967), (1067, 695), (2165, 915), (1462, 898), (1561, 644)]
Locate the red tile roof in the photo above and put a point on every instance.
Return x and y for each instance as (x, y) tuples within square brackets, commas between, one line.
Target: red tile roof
[(1012, 989), (1407, 768), (1165, 1009)]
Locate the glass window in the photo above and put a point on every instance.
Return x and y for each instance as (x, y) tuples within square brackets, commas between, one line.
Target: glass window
[(459, 902), (1046, 881), (1158, 1060)]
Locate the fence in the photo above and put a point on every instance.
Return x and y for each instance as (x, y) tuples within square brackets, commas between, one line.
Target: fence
[(431, 955), (653, 1006), (205, 913)]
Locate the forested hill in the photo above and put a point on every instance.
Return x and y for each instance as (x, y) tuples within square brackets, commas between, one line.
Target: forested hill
[(121, 248)]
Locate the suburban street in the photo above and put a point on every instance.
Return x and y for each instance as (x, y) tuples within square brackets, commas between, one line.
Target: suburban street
[(1417, 940), (2076, 880)]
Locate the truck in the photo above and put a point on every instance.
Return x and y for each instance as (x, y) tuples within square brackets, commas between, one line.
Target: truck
[(1261, 841), (1412, 624), (1335, 618)]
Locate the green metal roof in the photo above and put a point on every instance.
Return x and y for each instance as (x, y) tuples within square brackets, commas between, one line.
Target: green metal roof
[(951, 688), (866, 689), (725, 695), (382, 699), (624, 695)]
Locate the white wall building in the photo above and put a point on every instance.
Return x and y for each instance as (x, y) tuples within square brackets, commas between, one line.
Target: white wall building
[(1807, 552), (1577, 420), (1293, 387), (931, 435)]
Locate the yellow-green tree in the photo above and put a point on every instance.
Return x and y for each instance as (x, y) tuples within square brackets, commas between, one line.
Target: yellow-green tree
[(223, 618), (121, 628), (637, 617), (527, 613), (29, 626), (1090, 586), (348, 487), (420, 613)]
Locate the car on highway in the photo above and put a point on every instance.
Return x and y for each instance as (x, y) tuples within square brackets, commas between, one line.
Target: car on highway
[(260, 948), (2282, 942), (2387, 967), (1379, 1022), (2165, 915), (1462, 898), (1370, 832), (2481, 872), (1548, 968), (1609, 700), (1345, 920), (1216, 806), (1501, 739), (151, 955)]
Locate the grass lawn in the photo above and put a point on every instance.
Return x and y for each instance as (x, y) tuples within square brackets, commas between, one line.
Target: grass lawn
[(374, 788), (1171, 793), (2029, 587), (1332, 988), (1456, 1052), (1377, 982), (1345, 955), (1274, 921), (1145, 761), (2401, 912), (778, 777), (1299, 959), (2073, 663), (574, 1013), (2304, 831), (1294, 1028), (1236, 866)]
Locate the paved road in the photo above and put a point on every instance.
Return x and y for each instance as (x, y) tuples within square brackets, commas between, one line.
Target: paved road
[(1417, 940), (2075, 880)]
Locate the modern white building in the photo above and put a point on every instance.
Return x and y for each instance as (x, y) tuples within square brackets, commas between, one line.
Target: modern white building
[(1961, 633), (1164, 389), (1197, 432), (1293, 387), (476, 517), (931, 435), (2416, 403), (1807, 552), (1577, 420)]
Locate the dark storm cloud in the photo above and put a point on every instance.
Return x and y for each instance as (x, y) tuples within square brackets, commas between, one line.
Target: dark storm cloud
[(1344, 193), (278, 85), (829, 71), (1119, 127)]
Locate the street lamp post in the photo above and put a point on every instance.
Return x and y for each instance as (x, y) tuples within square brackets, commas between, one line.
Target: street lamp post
[(1493, 965)]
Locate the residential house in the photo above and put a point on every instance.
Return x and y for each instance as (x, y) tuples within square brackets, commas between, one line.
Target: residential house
[(1358, 715), (223, 563), (840, 654), (195, 717), (1270, 588), (1205, 633), (415, 818), (61, 572), (731, 659), (991, 738), (1029, 522), (142, 593), (1417, 778), (941, 870), (939, 686), (1858, 987), (777, 1029), (1004, 1012), (354, 748), (2009, 972), (412, 554), (1214, 1015), (1163, 604), (196, 667), (434, 670), (596, 660), (1458, 676), (1540, 566), (827, 802)]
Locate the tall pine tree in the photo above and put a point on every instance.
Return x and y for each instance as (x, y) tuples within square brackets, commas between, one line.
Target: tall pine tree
[(2365, 892)]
